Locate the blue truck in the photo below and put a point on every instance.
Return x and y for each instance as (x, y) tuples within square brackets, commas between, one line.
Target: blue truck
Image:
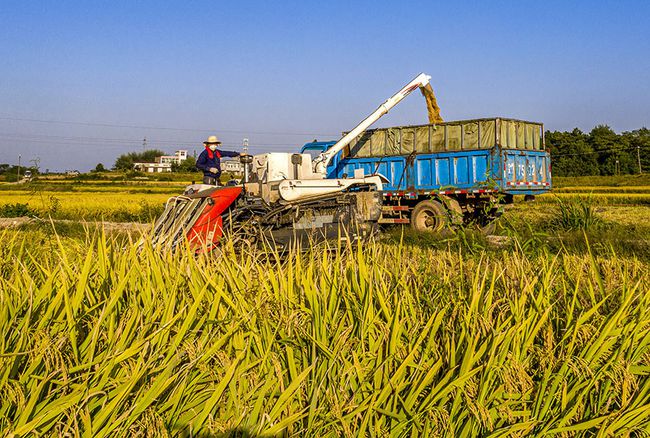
[(447, 174)]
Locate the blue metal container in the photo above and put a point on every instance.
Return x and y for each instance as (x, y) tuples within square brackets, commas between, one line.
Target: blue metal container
[(504, 160)]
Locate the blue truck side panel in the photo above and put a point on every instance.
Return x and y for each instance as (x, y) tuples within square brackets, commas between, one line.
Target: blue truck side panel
[(509, 171)]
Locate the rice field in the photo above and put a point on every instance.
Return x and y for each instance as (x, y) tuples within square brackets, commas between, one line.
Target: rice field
[(545, 333), (145, 204), (141, 201), (118, 201), (599, 198), (628, 190), (605, 190), (101, 340), (110, 205)]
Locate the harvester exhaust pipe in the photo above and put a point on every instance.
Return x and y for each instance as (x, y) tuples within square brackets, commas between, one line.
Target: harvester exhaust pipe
[(296, 160), (246, 160)]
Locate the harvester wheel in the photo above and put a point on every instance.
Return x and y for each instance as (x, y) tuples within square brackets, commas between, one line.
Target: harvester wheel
[(429, 216)]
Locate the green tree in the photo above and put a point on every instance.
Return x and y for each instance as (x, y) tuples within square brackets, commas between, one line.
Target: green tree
[(611, 148), (10, 173), (639, 141), (601, 152), (188, 165), (99, 168), (571, 154), (125, 161)]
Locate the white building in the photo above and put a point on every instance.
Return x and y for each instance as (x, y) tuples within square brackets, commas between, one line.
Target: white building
[(163, 163), (153, 167), (178, 157)]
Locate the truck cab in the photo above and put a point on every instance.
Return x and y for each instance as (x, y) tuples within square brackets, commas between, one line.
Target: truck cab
[(316, 148)]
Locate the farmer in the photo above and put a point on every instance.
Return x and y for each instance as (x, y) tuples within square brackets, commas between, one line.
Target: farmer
[(210, 160)]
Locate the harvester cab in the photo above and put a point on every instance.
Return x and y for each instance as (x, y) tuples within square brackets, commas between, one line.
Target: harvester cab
[(282, 197)]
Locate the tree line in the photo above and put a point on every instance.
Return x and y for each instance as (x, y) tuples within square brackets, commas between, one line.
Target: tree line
[(126, 161), (10, 172), (599, 152)]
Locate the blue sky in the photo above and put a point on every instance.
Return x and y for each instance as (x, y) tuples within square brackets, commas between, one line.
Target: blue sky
[(283, 73)]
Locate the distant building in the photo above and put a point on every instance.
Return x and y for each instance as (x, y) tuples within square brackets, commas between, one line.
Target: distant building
[(153, 167), (232, 166), (178, 157), (162, 163)]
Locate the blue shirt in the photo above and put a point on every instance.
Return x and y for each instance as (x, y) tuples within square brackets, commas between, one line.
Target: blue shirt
[(204, 162)]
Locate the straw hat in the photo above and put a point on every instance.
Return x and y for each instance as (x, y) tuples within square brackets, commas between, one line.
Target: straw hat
[(213, 139)]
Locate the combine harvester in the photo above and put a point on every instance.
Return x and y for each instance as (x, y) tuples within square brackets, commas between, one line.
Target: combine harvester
[(434, 176)]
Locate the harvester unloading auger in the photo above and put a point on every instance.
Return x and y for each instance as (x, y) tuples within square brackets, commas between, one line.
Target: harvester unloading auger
[(284, 196)]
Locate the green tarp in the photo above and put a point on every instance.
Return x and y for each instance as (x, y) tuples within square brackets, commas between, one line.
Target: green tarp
[(448, 136)]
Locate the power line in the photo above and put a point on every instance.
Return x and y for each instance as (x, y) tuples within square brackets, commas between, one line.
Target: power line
[(135, 145), (33, 137), (61, 138), (602, 151), (578, 153), (160, 128)]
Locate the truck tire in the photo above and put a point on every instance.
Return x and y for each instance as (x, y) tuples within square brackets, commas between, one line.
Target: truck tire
[(487, 222), (429, 216), (489, 227)]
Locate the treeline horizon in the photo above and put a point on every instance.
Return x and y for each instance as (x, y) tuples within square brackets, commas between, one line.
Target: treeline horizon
[(599, 152)]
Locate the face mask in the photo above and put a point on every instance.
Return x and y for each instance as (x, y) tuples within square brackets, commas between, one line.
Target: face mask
[(213, 147)]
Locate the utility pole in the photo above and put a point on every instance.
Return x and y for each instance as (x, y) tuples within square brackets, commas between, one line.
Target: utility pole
[(638, 157), (18, 168)]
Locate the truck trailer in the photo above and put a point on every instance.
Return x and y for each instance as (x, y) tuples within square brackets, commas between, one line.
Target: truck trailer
[(447, 174)]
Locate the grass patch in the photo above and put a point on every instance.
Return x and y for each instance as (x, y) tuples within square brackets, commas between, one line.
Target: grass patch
[(576, 214), (16, 210)]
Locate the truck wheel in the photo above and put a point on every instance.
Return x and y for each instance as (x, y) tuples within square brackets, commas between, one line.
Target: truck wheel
[(429, 216)]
